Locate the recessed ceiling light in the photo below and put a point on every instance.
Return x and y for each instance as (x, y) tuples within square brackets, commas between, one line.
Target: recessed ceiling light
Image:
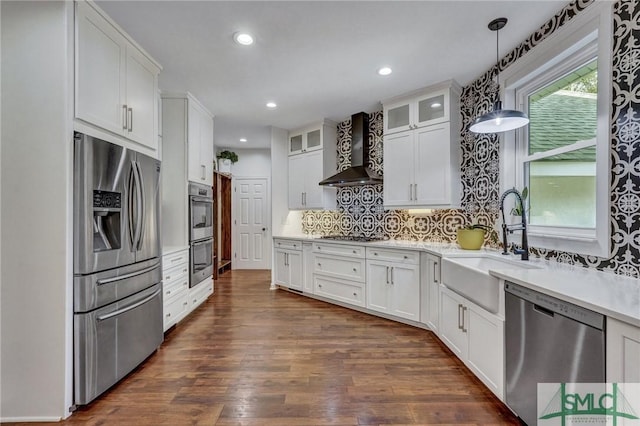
[(244, 39), (243, 139), (385, 71), (436, 105), (271, 105)]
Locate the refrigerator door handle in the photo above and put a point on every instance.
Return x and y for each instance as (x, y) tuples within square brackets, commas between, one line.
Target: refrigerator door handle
[(128, 308), (142, 207), (127, 276), (130, 197)]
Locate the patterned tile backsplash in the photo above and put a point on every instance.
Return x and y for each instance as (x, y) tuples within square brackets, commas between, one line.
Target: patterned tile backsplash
[(360, 209)]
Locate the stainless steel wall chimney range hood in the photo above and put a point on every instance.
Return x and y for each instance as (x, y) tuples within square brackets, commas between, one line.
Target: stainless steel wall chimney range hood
[(360, 172)]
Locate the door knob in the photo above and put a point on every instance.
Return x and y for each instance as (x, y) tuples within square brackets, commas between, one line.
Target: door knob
[(264, 229)]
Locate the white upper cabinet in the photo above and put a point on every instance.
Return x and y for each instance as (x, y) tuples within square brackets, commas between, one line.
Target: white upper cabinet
[(189, 125), (422, 149), (312, 157), (416, 111), (307, 139), (116, 83), (200, 143)]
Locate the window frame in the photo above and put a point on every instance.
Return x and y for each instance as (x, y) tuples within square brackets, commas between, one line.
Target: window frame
[(585, 37)]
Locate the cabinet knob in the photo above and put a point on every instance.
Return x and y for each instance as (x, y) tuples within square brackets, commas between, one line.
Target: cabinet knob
[(355, 294), (319, 285), (168, 292), (184, 270), (375, 253), (355, 270), (354, 252), (319, 264), (168, 315), (168, 277), (406, 257), (185, 303)]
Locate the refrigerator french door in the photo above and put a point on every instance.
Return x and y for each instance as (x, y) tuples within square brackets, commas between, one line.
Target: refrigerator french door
[(117, 271)]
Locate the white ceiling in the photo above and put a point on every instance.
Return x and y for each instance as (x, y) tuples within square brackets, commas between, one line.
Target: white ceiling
[(317, 59)]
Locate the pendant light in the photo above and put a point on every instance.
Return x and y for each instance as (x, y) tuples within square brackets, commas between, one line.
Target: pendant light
[(499, 120)]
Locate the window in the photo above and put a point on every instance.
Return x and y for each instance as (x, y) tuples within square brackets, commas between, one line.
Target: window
[(562, 156)]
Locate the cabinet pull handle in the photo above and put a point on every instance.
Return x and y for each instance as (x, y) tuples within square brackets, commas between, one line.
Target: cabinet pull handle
[(168, 314), (355, 270), (387, 275), (130, 110), (392, 268), (168, 277), (168, 292), (415, 191), (302, 198), (459, 315), (204, 172), (435, 278), (185, 303), (464, 309), (354, 252), (406, 257), (124, 117), (410, 191)]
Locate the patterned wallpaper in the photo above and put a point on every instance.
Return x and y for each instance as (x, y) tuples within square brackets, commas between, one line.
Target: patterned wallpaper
[(360, 209)]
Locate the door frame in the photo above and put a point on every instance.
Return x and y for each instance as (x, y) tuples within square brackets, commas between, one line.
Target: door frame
[(234, 219)]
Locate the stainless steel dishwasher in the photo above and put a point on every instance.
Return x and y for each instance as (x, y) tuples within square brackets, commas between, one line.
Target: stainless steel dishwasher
[(548, 340)]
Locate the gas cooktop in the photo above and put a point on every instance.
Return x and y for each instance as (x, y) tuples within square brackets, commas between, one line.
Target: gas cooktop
[(359, 238)]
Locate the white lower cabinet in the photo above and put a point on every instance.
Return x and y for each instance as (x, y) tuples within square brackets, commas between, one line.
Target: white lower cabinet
[(623, 352), (288, 268), (307, 267), (475, 336), (429, 290), (200, 293), (178, 299), (175, 286), (346, 291), (393, 288)]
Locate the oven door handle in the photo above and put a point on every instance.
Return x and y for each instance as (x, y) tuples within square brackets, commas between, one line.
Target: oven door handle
[(199, 243), (129, 307), (201, 199), (129, 275)]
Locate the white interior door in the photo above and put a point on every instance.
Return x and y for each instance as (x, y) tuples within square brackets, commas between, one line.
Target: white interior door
[(251, 221)]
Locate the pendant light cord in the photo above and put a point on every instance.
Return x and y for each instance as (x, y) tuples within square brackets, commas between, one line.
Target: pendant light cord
[(497, 59)]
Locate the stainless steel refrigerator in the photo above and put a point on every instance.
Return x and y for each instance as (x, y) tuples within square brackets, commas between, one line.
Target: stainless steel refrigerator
[(117, 280)]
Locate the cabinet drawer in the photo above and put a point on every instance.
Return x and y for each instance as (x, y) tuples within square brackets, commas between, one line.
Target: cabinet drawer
[(175, 289), (339, 249), (200, 293), (288, 244), (339, 267), (175, 259), (342, 290), (399, 256), (174, 275), (175, 310)]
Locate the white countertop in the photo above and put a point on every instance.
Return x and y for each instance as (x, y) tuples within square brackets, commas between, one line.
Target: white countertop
[(613, 295)]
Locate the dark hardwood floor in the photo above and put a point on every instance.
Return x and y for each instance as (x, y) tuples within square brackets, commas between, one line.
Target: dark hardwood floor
[(251, 356)]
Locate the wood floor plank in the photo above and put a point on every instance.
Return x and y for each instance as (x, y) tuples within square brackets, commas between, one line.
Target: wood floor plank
[(252, 356)]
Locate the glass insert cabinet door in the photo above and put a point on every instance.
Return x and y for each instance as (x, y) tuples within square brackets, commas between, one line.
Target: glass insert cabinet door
[(307, 140), (431, 108), (398, 118)]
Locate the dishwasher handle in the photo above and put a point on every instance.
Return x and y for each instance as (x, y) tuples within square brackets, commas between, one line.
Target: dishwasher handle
[(543, 310)]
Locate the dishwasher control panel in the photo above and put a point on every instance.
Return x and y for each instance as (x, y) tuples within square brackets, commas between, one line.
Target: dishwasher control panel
[(557, 306)]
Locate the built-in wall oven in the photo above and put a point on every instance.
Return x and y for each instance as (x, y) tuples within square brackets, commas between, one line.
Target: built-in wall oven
[(200, 212), (200, 232)]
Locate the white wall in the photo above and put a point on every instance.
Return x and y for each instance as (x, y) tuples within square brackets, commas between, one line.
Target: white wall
[(36, 210), (252, 163)]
